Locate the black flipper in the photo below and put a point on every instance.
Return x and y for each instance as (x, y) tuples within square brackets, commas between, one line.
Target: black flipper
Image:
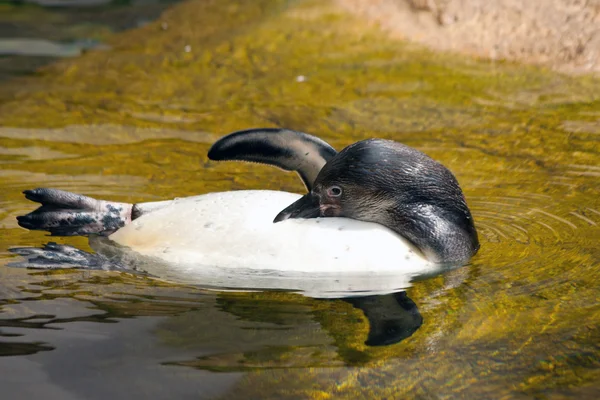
[(60, 256), (69, 214), (283, 148)]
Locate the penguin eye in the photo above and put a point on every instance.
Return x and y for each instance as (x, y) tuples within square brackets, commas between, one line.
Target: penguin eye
[(334, 191)]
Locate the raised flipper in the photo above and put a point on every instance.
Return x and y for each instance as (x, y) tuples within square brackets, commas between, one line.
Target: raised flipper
[(69, 214), (283, 148)]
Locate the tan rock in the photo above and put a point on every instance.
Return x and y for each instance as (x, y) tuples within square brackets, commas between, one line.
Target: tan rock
[(561, 34)]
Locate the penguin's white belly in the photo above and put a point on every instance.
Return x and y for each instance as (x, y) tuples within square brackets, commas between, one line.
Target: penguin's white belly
[(235, 230)]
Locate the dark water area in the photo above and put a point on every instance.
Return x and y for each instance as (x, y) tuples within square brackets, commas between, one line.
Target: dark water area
[(133, 121), (36, 33)]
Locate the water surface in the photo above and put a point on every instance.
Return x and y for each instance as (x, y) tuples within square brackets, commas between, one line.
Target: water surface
[(134, 122)]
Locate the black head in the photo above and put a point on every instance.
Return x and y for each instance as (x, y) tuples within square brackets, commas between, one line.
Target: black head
[(399, 187)]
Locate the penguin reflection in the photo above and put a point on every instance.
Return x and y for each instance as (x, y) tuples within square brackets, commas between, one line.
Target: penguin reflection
[(392, 318)]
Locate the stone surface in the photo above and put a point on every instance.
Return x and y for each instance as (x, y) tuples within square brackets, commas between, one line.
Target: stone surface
[(561, 34)]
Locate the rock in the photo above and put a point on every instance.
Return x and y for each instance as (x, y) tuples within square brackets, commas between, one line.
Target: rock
[(561, 34)]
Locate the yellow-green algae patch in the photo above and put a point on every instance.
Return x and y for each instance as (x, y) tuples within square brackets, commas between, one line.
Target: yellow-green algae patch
[(522, 320)]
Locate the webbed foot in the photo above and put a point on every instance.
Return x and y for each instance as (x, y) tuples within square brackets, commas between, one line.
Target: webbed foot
[(60, 256), (68, 214)]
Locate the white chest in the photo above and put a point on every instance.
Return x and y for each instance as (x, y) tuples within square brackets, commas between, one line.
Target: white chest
[(234, 231)]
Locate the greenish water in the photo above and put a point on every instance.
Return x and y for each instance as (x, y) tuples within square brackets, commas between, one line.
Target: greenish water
[(134, 122)]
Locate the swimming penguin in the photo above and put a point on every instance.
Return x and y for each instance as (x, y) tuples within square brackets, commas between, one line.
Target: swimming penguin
[(377, 205)]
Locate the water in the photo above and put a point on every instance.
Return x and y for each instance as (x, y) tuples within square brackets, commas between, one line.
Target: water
[(134, 122)]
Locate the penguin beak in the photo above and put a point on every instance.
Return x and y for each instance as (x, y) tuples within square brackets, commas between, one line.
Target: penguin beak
[(307, 206)]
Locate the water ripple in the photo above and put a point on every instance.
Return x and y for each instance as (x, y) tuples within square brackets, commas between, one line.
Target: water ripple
[(526, 219)]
